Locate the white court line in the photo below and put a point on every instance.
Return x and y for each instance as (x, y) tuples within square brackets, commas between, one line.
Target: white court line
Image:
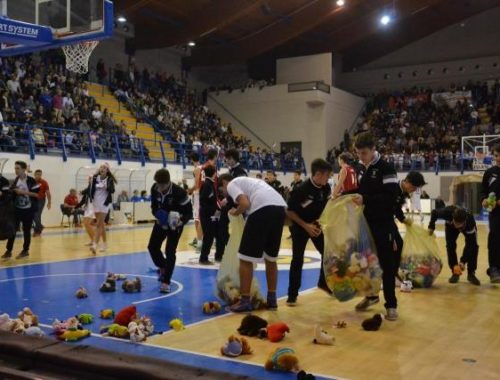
[(180, 287)]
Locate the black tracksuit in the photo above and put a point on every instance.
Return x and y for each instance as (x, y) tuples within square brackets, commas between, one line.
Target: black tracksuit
[(24, 216), (469, 230), (209, 222), (379, 188), (175, 199), (307, 201), (491, 184)]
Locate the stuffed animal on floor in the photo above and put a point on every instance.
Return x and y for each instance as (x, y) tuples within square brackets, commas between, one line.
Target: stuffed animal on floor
[(275, 332), (59, 327), (115, 330), (406, 286), (28, 317), (176, 324), (116, 276), (282, 359), (251, 325), (17, 326), (235, 347), (34, 331), (73, 335), (341, 324), (5, 322), (107, 314), (322, 337), (136, 332), (302, 375), (81, 293), (109, 285), (126, 315), (132, 286), (86, 319), (211, 307), (373, 323), (147, 325)]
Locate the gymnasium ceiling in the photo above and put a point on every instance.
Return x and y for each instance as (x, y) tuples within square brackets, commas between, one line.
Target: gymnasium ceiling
[(236, 31)]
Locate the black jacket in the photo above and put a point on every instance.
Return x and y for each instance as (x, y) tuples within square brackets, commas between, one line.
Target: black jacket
[(491, 184), (237, 171), (309, 201), (400, 201), (110, 187), (379, 188), (446, 214), (176, 199), (208, 198)]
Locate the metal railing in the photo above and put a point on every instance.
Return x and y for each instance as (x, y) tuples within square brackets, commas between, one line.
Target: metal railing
[(309, 86)]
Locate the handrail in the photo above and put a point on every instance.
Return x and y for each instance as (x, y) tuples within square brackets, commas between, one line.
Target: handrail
[(241, 123)]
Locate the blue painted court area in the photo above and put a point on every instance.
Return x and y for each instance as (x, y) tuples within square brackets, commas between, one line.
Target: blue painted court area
[(48, 289)]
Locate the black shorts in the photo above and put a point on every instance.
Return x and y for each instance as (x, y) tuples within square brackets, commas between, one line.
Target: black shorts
[(262, 234)]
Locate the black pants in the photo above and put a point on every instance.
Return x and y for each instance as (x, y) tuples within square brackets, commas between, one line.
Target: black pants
[(37, 221), (26, 218), (384, 236), (211, 231), (166, 262), (471, 249), (494, 240), (299, 242)]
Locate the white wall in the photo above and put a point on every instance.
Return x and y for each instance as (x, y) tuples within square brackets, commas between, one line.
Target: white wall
[(202, 77), (309, 68), (315, 118)]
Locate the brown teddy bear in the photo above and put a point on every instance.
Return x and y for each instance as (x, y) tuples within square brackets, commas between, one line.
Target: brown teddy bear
[(282, 359), (28, 317), (132, 286), (235, 347)]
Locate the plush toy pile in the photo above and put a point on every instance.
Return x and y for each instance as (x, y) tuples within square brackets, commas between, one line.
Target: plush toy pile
[(211, 307), (128, 325), (421, 270), (25, 323), (70, 330), (350, 262)]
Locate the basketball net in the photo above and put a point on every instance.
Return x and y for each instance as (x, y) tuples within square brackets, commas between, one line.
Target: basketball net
[(77, 56)]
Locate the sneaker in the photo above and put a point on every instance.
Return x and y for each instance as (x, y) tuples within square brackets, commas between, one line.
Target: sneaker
[(93, 248), (193, 243), (24, 253), (366, 303), (205, 262), (471, 277), (241, 307), (494, 275), (164, 288), (454, 279), (7, 255), (272, 303), (392, 314), (103, 248), (291, 301)]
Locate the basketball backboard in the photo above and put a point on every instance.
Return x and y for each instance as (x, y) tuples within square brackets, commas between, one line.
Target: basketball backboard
[(31, 25)]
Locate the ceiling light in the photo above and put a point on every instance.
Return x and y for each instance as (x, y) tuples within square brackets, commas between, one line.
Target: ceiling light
[(121, 19), (385, 20), (191, 43), (340, 3)]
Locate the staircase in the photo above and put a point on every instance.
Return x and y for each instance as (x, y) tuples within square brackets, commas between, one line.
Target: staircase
[(145, 131)]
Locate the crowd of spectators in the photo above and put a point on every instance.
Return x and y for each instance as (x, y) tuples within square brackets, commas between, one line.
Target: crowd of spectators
[(38, 93), (416, 129)]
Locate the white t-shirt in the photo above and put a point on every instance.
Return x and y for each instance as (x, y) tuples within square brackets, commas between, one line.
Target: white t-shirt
[(258, 192), (22, 201)]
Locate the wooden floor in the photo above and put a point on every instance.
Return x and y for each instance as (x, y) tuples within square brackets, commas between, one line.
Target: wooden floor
[(447, 332)]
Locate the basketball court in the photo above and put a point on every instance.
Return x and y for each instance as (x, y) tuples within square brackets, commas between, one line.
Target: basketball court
[(448, 331)]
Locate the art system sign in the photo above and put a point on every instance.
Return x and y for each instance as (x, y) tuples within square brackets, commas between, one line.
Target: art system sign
[(17, 32), (21, 31)]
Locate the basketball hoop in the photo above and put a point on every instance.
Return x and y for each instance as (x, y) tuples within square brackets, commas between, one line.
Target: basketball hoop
[(77, 56)]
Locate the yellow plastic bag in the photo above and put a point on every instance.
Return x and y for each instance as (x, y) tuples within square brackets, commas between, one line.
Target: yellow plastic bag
[(350, 261), (420, 262), (228, 276)]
